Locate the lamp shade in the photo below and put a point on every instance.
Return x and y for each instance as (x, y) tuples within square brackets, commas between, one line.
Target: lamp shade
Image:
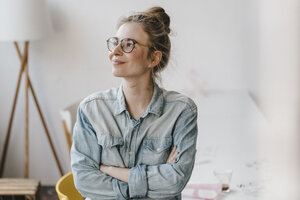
[(24, 20)]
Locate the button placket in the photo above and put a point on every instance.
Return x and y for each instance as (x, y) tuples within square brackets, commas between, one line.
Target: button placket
[(129, 152), (125, 150), (133, 145)]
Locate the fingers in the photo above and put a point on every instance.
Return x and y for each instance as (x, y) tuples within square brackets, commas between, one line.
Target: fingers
[(173, 150), (172, 156), (102, 168)]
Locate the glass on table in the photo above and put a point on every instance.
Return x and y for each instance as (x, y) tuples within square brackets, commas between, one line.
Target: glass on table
[(224, 176)]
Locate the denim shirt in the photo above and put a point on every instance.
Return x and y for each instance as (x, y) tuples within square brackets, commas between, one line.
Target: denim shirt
[(105, 133)]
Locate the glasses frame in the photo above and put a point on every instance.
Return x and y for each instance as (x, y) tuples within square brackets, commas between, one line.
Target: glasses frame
[(120, 42)]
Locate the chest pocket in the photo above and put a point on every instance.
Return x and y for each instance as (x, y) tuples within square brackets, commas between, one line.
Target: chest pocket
[(110, 154), (156, 150)]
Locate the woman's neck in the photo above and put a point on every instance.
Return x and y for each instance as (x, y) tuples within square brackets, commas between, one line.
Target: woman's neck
[(138, 95)]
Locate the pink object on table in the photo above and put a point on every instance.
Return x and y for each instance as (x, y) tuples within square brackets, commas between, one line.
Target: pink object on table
[(207, 191)]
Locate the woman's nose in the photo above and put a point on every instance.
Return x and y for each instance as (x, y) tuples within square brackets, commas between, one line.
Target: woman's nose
[(117, 50)]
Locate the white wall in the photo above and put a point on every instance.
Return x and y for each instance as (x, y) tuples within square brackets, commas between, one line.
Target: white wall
[(275, 84), (217, 40)]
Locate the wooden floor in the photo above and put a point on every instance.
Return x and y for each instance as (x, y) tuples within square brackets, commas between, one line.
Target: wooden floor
[(47, 193)]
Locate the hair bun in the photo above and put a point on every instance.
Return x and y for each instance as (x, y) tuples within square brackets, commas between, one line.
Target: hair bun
[(161, 15)]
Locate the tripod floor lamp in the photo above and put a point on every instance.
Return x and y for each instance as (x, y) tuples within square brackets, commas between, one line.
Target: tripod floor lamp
[(24, 21)]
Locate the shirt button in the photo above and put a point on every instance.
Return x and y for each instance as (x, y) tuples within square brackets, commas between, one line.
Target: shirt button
[(130, 153), (157, 149)]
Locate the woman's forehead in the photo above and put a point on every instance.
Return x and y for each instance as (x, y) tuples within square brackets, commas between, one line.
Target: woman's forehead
[(132, 30)]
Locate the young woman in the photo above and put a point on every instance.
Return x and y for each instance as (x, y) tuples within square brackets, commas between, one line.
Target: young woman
[(137, 141)]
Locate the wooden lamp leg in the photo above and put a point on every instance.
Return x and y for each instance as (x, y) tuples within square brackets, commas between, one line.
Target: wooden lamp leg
[(46, 129), (28, 85), (42, 119), (4, 152), (26, 156)]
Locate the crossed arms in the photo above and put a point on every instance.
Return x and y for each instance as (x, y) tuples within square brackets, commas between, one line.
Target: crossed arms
[(97, 181)]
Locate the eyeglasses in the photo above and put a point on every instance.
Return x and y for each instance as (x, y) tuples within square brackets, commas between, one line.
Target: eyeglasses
[(127, 44)]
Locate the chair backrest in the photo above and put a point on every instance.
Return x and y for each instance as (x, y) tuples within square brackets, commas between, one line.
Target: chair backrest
[(68, 116), (65, 188)]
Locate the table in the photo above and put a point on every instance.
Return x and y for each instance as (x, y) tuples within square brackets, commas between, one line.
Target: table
[(230, 132)]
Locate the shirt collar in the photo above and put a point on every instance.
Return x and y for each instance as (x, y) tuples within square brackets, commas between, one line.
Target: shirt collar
[(155, 106), (121, 104)]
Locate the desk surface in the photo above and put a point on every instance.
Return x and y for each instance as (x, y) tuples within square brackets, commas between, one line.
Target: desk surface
[(230, 131)]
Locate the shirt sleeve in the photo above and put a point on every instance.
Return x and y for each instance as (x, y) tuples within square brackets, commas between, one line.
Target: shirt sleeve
[(85, 162), (168, 180)]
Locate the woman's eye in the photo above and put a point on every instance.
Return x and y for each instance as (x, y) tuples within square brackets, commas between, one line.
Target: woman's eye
[(129, 44)]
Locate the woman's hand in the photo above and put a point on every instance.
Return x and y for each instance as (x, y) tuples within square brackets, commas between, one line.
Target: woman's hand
[(172, 156), (116, 172), (104, 169)]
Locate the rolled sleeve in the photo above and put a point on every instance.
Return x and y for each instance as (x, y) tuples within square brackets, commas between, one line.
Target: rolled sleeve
[(138, 185), (121, 189)]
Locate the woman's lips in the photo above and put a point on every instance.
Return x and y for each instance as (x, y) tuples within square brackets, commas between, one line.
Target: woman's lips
[(117, 62)]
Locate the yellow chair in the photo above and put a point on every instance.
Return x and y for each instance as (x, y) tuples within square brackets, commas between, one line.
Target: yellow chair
[(65, 188)]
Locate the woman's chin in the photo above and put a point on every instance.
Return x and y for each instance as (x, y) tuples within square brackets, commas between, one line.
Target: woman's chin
[(117, 74)]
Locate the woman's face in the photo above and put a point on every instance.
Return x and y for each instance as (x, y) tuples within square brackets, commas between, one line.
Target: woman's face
[(135, 64)]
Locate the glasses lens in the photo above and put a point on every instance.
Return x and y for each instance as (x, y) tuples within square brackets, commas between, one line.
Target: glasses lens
[(127, 45), (112, 43)]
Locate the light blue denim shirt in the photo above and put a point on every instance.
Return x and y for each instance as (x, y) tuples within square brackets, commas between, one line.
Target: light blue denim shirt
[(105, 133)]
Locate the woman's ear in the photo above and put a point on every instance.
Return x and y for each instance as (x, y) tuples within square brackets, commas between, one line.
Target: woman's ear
[(155, 58)]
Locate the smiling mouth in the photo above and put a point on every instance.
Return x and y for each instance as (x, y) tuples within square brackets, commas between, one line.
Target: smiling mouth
[(116, 62)]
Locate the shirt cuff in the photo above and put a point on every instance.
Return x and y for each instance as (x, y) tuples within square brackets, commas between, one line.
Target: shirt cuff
[(138, 184), (120, 189)]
